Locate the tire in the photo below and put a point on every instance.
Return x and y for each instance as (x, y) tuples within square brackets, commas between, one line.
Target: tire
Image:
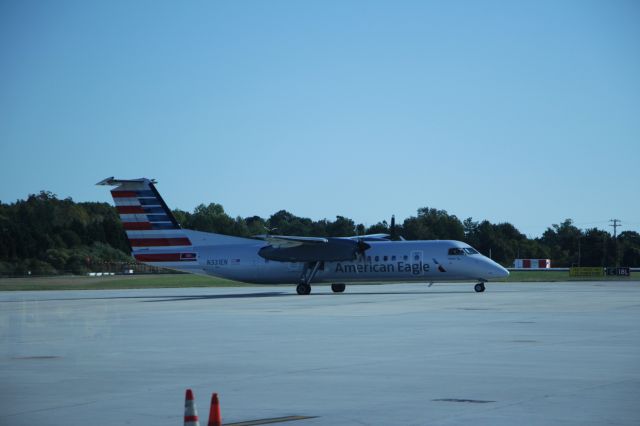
[(303, 289), (338, 288), (479, 288)]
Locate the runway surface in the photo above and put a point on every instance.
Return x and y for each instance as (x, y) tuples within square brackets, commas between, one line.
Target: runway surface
[(405, 354)]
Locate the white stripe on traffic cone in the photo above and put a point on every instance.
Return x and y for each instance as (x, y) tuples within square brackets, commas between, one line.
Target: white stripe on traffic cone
[(190, 411)]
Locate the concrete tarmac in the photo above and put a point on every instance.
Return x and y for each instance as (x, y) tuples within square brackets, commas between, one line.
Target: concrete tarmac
[(404, 354)]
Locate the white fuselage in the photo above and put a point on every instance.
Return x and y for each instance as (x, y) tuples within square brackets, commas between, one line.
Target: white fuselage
[(398, 261)]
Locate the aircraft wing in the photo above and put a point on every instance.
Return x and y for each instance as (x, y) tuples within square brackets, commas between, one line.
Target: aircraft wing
[(286, 241), (370, 237)]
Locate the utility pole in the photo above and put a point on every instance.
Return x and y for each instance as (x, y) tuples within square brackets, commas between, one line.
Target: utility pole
[(615, 224), (579, 251)]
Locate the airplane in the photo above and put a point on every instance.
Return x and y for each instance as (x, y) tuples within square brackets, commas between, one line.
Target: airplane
[(157, 239)]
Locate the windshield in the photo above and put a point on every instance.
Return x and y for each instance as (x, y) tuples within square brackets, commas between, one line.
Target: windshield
[(456, 251)]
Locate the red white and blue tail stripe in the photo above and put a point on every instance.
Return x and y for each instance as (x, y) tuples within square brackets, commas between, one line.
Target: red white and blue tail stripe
[(153, 232)]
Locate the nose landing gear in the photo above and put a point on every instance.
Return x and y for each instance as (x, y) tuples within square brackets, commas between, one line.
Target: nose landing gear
[(479, 288)]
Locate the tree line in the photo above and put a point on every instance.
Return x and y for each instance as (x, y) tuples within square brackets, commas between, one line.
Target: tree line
[(47, 235)]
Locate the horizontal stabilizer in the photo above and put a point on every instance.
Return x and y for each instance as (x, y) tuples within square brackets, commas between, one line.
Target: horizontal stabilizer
[(111, 181)]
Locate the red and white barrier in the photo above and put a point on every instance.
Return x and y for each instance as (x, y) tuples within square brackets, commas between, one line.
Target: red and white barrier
[(532, 263)]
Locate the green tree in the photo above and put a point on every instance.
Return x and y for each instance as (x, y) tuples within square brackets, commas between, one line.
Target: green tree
[(597, 248), (285, 223), (470, 228), (563, 240), (433, 224), (183, 218), (379, 228), (43, 234), (629, 246), (212, 218), (255, 225), (341, 227)]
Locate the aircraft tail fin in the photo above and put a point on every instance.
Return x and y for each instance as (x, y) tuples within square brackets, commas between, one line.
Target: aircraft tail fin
[(154, 234), (147, 220)]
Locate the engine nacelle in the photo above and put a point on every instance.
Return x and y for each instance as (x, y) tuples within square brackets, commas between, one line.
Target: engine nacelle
[(335, 249)]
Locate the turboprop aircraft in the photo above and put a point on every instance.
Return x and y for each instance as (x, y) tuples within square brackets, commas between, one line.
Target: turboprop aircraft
[(157, 239)]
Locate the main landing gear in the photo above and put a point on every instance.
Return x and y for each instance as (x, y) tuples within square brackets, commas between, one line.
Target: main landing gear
[(308, 273), (338, 288), (479, 288), (303, 289)]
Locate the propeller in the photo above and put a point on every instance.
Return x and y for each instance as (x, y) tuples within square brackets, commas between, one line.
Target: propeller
[(269, 230)]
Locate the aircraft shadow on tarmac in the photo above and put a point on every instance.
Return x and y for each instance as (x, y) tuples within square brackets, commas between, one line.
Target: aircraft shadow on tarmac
[(186, 297), (165, 298), (217, 296), (286, 294)]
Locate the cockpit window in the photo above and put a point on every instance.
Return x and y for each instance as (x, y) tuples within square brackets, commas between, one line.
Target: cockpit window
[(470, 250), (456, 252)]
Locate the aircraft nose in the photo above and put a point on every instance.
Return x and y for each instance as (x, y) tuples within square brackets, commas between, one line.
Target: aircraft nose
[(501, 272), (494, 270)]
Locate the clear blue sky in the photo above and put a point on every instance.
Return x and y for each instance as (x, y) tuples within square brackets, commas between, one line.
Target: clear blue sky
[(526, 112)]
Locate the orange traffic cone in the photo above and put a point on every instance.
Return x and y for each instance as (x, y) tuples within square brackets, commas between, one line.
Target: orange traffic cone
[(190, 411), (214, 413)]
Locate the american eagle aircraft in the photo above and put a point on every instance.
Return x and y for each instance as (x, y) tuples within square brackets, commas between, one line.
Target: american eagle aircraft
[(157, 239)]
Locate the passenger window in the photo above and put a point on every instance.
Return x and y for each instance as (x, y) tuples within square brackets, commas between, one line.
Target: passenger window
[(377, 258), (393, 258), (368, 258), (386, 258), (405, 257)]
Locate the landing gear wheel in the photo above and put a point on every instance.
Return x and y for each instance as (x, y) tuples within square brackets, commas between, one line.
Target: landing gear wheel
[(338, 288), (479, 288), (303, 289)]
